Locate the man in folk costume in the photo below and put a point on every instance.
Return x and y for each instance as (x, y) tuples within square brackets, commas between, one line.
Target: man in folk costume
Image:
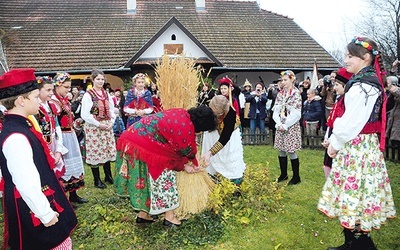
[(222, 149), (37, 213)]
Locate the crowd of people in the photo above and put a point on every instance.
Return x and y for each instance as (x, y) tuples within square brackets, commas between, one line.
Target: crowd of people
[(356, 108)]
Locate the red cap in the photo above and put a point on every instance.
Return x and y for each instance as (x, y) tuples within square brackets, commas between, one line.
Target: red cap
[(16, 82), (225, 81), (343, 76)]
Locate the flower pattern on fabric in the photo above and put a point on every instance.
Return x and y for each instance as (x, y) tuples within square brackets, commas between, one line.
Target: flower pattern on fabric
[(133, 98), (358, 189), (148, 152), (97, 151), (290, 140)]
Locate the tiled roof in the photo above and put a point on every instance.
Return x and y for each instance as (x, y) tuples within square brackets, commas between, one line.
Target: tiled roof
[(82, 35)]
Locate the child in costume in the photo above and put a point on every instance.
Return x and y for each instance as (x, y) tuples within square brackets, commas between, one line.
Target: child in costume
[(37, 214), (48, 123), (138, 101), (340, 81), (73, 178)]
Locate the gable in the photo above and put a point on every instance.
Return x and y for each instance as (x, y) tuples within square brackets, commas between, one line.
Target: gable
[(173, 38)]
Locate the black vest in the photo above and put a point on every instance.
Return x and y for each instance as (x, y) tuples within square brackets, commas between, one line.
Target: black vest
[(23, 234)]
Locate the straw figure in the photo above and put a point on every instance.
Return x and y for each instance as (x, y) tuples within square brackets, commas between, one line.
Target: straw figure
[(178, 80)]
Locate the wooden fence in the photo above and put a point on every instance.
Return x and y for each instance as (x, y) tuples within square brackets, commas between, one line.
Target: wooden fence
[(392, 152)]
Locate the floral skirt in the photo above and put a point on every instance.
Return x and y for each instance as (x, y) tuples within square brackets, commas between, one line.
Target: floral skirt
[(100, 144), (358, 188), (289, 140), (146, 194)]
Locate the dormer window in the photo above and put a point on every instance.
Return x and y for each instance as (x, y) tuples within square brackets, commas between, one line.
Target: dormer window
[(173, 37)]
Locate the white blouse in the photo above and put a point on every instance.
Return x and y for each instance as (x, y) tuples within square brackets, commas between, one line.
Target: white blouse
[(359, 103)]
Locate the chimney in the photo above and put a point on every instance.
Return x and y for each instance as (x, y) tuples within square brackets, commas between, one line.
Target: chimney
[(200, 5), (130, 6)]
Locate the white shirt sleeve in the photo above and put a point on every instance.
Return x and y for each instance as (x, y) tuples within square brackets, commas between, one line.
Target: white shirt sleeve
[(87, 105), (242, 100), (26, 177), (112, 111), (292, 118), (60, 143), (359, 107), (275, 116)]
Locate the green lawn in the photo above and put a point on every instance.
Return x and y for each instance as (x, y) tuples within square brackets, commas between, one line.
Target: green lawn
[(107, 221)]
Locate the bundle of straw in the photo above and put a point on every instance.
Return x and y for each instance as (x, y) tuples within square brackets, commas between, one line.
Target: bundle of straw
[(194, 190), (178, 79)]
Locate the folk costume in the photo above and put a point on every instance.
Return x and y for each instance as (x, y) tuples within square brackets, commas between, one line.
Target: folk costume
[(32, 193), (73, 178), (137, 100), (225, 143), (98, 108), (148, 152), (287, 114), (358, 189), (51, 131), (337, 111)]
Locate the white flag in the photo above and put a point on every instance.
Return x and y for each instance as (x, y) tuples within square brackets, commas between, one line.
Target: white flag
[(314, 77)]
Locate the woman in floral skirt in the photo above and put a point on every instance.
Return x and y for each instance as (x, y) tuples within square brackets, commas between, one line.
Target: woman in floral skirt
[(287, 114), (358, 190), (148, 153), (99, 116)]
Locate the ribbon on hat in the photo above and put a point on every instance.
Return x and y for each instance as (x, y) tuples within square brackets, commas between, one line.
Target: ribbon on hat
[(61, 77), (384, 97)]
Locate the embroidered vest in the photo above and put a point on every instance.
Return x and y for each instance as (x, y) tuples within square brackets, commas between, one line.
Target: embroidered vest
[(47, 121), (25, 231), (64, 113), (101, 107)]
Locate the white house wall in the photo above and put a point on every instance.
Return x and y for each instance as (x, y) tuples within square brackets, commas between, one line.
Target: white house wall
[(156, 50)]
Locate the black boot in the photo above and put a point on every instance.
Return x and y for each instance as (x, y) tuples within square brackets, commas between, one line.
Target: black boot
[(296, 172), (74, 197), (348, 241), (96, 176), (283, 166), (107, 172), (364, 242)]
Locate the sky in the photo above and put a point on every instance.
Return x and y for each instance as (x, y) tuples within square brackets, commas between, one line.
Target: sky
[(327, 21)]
